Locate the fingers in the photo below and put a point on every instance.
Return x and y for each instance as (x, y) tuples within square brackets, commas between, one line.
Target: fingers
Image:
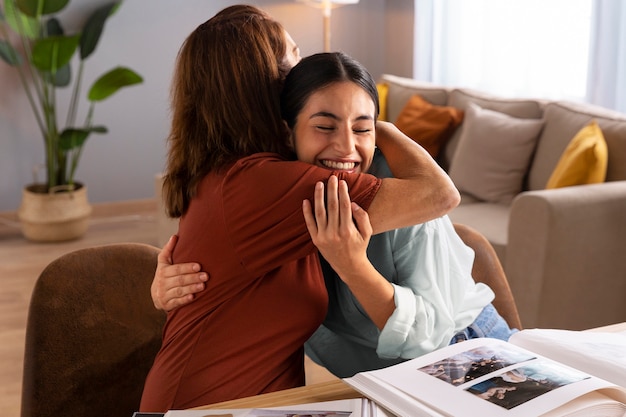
[(345, 211), (167, 269), (172, 292), (165, 256), (181, 295), (331, 218), (309, 218), (174, 285), (320, 206), (332, 203)]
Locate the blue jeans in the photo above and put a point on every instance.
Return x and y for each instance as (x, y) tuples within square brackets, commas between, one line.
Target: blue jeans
[(489, 323)]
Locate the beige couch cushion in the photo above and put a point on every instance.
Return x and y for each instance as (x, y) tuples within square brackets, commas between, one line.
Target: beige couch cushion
[(563, 121), (401, 89), (461, 98), (493, 154)]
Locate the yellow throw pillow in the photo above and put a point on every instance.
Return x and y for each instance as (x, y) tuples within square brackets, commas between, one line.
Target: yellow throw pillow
[(383, 90), (584, 160)]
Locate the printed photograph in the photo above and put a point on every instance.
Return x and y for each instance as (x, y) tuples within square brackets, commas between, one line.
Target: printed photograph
[(474, 363), (516, 386)]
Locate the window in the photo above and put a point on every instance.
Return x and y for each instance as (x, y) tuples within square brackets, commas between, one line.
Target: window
[(555, 49)]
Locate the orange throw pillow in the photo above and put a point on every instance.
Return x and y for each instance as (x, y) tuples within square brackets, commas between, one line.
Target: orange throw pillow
[(427, 124)]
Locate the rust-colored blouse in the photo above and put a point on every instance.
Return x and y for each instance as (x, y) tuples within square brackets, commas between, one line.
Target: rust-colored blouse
[(265, 296)]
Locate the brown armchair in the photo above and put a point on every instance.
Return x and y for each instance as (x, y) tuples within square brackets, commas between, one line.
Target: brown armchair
[(92, 333), (488, 269)]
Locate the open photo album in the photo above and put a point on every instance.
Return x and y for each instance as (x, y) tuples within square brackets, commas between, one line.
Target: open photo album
[(489, 377)]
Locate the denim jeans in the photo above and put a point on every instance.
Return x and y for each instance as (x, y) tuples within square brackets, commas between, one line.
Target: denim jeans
[(489, 323)]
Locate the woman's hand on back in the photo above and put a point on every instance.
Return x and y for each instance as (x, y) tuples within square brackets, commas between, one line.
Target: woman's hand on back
[(175, 285)]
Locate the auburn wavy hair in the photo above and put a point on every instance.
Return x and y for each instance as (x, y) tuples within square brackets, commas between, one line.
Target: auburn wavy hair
[(224, 99)]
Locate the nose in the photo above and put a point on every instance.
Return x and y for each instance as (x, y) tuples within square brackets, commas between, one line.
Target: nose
[(344, 142)]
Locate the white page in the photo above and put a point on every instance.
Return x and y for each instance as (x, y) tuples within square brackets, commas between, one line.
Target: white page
[(602, 354), (560, 383)]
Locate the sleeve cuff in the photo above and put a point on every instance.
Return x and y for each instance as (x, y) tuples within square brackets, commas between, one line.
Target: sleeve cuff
[(396, 331)]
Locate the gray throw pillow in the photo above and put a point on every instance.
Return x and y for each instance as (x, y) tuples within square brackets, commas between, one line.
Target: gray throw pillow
[(493, 154)]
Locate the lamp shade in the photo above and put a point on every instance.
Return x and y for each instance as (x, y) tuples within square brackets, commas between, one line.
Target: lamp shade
[(322, 3), (326, 6)]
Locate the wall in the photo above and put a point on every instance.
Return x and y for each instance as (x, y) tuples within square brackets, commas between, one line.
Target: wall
[(146, 36)]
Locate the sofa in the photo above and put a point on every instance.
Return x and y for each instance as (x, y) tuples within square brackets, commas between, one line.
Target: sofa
[(544, 181)]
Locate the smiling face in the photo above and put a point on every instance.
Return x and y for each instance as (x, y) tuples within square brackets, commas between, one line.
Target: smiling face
[(336, 128)]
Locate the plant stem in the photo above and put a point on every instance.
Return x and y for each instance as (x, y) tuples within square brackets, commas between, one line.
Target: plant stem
[(22, 75), (71, 113), (76, 154)]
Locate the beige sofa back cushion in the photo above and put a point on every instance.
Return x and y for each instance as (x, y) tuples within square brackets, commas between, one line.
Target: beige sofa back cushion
[(461, 98), (562, 121), (493, 154), (401, 89)]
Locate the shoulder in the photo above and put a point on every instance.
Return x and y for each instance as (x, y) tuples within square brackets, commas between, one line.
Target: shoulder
[(271, 172), (266, 162)]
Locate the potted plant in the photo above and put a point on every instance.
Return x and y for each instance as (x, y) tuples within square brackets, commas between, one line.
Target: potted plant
[(34, 42)]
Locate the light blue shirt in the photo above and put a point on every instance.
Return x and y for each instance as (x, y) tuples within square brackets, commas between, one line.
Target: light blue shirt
[(435, 296)]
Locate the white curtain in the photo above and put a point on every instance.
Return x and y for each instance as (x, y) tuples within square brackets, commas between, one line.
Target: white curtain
[(554, 49), (607, 65)]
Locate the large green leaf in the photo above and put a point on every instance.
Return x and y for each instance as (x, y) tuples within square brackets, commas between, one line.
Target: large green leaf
[(74, 138), (50, 54), (112, 81), (93, 28), (9, 54), (35, 8), (19, 22)]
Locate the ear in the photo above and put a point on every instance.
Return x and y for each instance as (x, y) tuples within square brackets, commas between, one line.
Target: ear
[(291, 141)]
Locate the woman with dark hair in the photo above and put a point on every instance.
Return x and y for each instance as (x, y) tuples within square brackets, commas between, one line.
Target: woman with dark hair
[(232, 179), (392, 296)]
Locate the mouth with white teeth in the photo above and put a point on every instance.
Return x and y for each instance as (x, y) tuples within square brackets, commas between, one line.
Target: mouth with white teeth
[(336, 165)]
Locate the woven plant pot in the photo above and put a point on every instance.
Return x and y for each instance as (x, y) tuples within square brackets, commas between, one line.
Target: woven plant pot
[(57, 216)]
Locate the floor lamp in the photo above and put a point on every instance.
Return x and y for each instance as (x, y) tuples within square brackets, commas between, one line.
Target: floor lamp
[(327, 6)]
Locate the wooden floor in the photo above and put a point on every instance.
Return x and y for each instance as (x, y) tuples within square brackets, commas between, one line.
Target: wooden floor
[(21, 262)]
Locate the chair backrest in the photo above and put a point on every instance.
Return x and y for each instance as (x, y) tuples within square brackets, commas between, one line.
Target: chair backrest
[(488, 269), (92, 333)]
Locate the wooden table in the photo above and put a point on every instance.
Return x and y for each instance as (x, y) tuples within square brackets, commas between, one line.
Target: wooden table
[(325, 391)]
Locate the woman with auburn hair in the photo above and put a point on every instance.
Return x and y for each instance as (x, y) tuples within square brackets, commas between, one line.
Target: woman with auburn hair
[(232, 179), (211, 103)]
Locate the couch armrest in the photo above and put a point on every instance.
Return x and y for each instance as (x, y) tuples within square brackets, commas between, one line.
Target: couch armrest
[(566, 256)]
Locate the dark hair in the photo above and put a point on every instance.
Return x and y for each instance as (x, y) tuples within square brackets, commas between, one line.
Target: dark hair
[(318, 71), (225, 99)]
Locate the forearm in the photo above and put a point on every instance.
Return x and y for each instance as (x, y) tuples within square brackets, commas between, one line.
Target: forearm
[(420, 190), (372, 290), (405, 157)]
